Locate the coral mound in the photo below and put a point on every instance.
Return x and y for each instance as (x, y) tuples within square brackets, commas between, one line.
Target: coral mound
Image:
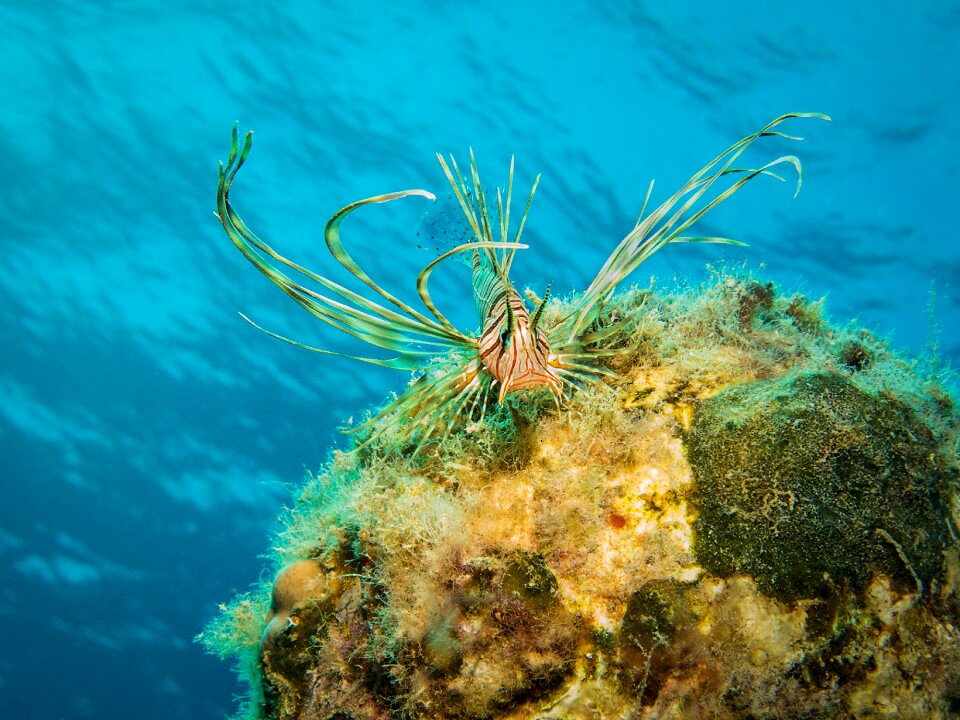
[(757, 520)]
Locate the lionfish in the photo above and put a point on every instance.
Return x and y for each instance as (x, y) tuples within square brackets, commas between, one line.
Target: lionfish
[(514, 349)]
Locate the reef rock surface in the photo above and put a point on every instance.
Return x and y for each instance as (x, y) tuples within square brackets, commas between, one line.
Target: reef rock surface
[(757, 520)]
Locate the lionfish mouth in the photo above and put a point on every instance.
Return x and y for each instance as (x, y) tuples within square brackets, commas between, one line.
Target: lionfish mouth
[(514, 351)]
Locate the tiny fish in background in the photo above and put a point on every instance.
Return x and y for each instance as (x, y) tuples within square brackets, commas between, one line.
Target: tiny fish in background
[(514, 349)]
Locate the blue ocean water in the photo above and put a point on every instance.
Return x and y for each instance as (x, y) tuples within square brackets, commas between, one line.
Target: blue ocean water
[(149, 438)]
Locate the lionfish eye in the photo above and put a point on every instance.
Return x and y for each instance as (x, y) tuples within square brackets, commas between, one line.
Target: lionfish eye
[(505, 338)]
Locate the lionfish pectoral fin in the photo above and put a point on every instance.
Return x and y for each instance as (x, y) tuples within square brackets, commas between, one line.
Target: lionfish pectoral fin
[(420, 409), (403, 330), (670, 220)]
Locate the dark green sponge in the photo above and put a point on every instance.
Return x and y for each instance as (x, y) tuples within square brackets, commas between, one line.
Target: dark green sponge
[(809, 483)]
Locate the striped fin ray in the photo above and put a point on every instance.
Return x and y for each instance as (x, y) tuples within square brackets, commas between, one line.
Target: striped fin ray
[(404, 361)]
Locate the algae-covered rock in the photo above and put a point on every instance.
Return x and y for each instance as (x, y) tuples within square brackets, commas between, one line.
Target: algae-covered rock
[(807, 482), (756, 518), (504, 636)]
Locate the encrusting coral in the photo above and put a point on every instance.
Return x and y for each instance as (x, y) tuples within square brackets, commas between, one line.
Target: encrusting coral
[(756, 519)]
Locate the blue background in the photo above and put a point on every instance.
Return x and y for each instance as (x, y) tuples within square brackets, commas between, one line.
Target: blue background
[(149, 438)]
